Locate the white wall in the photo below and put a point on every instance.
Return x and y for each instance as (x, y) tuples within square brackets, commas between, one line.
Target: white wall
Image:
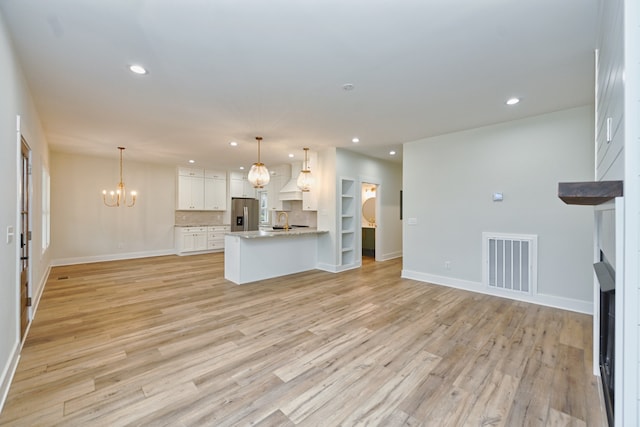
[(389, 177), (448, 186), (84, 230), (16, 100)]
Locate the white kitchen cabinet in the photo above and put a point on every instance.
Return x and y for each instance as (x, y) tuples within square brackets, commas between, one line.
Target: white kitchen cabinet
[(200, 239), (200, 189), (239, 186), (215, 191), (190, 239), (215, 237), (280, 175), (190, 189), (310, 198)]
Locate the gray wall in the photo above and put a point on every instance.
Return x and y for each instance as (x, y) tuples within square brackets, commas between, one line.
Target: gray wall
[(448, 186), (16, 100), (84, 230)]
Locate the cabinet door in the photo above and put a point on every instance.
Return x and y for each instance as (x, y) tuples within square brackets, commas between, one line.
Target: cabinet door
[(188, 242), (247, 189), (236, 187), (190, 193), (197, 193), (215, 194), (184, 192), (200, 241), (310, 200)]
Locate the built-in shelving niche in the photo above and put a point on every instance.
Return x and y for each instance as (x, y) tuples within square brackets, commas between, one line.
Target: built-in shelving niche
[(347, 221)]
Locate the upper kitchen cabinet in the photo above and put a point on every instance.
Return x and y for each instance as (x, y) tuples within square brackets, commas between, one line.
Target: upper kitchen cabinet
[(280, 175), (215, 190), (310, 198), (239, 186), (200, 189), (190, 189)]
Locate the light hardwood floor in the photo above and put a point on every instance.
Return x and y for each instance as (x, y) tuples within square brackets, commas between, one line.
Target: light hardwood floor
[(167, 341)]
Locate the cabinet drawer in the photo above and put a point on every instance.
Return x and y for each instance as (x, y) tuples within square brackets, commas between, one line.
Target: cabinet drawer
[(215, 244), (191, 230), (219, 228)]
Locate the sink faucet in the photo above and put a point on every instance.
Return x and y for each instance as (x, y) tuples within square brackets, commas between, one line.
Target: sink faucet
[(286, 220)]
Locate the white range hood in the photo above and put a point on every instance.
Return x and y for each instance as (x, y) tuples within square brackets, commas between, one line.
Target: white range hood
[(290, 191)]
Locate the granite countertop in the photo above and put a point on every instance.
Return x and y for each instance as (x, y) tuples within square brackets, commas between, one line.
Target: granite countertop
[(292, 232), (202, 225)]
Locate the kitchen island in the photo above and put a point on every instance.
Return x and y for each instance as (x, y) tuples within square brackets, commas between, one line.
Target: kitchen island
[(250, 256)]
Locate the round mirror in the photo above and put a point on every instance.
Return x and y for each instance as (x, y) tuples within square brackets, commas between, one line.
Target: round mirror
[(369, 210)]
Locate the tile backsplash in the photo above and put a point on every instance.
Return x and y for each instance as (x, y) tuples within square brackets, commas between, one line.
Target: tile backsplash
[(297, 216), (199, 218)]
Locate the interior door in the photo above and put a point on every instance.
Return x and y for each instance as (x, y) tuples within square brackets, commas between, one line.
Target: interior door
[(25, 237)]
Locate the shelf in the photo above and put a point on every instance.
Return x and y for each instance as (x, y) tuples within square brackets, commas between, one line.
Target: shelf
[(590, 193)]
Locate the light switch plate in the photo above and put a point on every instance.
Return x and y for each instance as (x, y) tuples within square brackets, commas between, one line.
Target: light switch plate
[(412, 221), (10, 234)]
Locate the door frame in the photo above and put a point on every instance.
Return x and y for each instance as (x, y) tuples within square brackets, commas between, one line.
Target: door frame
[(364, 180), (28, 314)]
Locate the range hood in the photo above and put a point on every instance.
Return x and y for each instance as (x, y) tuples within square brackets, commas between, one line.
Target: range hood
[(290, 191)]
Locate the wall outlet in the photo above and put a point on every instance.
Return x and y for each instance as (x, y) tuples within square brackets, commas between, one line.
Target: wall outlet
[(447, 265)]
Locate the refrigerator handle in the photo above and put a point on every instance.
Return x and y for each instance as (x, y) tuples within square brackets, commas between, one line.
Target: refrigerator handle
[(246, 218)]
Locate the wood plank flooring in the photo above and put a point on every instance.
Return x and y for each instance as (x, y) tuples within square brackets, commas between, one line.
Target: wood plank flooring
[(167, 341)]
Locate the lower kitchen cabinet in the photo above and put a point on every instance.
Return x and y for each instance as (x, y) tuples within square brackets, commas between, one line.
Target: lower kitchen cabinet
[(200, 239)]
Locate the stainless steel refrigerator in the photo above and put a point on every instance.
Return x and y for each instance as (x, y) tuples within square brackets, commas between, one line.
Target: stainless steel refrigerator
[(244, 214)]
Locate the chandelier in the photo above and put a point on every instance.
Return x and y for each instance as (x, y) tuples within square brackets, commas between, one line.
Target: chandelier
[(305, 179), (119, 196), (258, 174)]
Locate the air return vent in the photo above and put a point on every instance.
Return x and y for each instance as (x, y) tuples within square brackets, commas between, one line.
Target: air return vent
[(510, 262)]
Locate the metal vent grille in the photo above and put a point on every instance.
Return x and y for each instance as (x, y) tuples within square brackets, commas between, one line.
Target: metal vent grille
[(510, 261)]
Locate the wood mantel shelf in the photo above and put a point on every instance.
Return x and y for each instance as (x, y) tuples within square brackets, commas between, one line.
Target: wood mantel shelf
[(589, 193)]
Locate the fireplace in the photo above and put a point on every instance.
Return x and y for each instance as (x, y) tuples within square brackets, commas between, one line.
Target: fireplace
[(598, 194), (606, 279)]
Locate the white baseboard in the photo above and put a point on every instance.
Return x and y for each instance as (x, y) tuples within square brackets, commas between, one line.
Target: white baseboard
[(391, 255), (112, 257), (7, 374), (331, 268), (579, 306), (38, 294)]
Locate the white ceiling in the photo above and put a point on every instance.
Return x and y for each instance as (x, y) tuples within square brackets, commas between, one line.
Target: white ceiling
[(229, 70)]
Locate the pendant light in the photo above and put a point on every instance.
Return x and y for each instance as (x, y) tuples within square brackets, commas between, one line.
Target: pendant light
[(119, 196), (305, 179), (259, 174)]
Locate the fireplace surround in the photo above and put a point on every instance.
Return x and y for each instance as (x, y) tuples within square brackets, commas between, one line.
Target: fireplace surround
[(594, 194)]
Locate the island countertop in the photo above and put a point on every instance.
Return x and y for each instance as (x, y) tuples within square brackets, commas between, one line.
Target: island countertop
[(258, 234), (250, 256)]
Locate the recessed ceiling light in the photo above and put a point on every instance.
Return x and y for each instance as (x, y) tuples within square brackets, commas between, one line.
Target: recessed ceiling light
[(241, 168), (233, 144), (355, 140), (138, 69), (192, 161), (392, 153), (348, 86), (291, 155), (512, 101)]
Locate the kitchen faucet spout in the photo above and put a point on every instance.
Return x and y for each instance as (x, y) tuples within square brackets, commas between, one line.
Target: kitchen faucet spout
[(286, 220)]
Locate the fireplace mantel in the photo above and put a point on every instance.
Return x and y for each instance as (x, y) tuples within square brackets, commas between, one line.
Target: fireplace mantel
[(589, 193)]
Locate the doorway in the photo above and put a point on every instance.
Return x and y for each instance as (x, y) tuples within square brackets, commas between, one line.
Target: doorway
[(368, 220), (25, 236)]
